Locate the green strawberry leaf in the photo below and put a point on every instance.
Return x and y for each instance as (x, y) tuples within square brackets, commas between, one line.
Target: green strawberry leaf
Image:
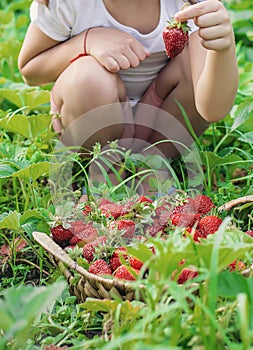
[(27, 126), (25, 170), (21, 306), (10, 220), (227, 244)]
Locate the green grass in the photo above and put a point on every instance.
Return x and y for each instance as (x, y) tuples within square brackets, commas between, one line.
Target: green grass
[(36, 307)]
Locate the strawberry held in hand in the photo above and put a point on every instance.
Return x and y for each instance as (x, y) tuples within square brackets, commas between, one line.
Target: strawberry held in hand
[(175, 37)]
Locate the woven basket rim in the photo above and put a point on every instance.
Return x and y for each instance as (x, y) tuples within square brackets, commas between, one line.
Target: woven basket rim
[(59, 254)]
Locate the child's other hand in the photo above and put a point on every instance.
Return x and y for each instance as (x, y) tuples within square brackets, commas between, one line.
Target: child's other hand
[(115, 49), (215, 28)]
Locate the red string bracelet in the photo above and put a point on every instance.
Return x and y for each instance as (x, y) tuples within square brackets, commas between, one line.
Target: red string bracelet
[(84, 47)]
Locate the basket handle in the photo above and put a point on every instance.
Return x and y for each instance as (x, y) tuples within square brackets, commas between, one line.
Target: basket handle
[(46, 242), (229, 205)]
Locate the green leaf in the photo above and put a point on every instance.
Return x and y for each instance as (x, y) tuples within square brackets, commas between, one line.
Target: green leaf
[(141, 252), (33, 220), (30, 98), (10, 220), (234, 244), (243, 117), (28, 126), (230, 284), (213, 160), (247, 137), (129, 309), (26, 170), (6, 17), (23, 305)]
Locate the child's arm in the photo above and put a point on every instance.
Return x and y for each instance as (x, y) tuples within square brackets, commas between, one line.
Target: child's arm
[(213, 59), (43, 59)]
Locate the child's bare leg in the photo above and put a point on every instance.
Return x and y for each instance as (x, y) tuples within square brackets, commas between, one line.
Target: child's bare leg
[(80, 91), (174, 83)]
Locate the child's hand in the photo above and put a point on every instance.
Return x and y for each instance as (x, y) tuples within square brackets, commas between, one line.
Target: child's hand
[(215, 28), (115, 49)]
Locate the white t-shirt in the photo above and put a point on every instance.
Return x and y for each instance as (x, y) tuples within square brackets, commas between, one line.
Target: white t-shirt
[(64, 19)]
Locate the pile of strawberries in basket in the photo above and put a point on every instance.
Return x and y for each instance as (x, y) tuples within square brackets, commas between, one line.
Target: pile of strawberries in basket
[(106, 229)]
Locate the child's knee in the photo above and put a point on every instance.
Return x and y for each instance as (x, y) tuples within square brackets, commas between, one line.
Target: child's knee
[(89, 77)]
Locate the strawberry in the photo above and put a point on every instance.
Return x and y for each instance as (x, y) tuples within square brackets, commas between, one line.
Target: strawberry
[(184, 219), (116, 258), (154, 229), (135, 263), (100, 267), (128, 226), (83, 233), (90, 248), (250, 233), (209, 224), (88, 252), (202, 204), (175, 37), (123, 273), (61, 235), (112, 209), (163, 208), (86, 210), (164, 218), (103, 201), (197, 234), (54, 347), (75, 241), (236, 265), (186, 274), (183, 208), (143, 199)]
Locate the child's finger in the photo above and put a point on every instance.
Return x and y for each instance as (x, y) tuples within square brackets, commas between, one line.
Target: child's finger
[(193, 11)]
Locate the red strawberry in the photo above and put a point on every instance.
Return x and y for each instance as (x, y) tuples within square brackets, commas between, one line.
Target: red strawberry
[(88, 252), (135, 263), (154, 229), (209, 224), (184, 219), (112, 209), (175, 37), (61, 235), (236, 265), (186, 274), (100, 267), (163, 208), (143, 199), (89, 248), (202, 204), (164, 218), (86, 210), (54, 347), (83, 233), (74, 241), (128, 226), (123, 273), (184, 208), (250, 233), (105, 201), (116, 258), (197, 234)]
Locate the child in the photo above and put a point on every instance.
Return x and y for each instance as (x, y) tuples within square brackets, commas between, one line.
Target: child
[(107, 52)]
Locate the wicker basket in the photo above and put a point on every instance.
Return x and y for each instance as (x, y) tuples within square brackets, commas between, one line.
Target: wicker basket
[(93, 286), (89, 285)]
